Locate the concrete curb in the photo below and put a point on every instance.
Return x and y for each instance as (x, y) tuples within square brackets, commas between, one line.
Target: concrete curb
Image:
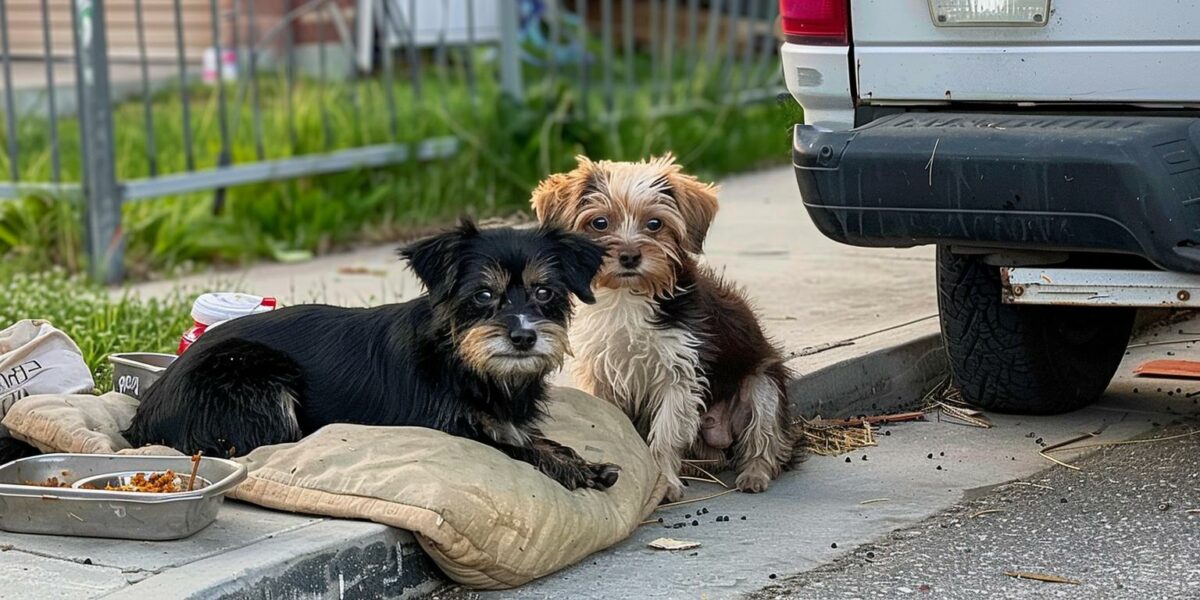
[(335, 558), (351, 559), (890, 374)]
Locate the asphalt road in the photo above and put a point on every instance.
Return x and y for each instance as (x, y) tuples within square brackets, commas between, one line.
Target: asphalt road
[(1126, 525)]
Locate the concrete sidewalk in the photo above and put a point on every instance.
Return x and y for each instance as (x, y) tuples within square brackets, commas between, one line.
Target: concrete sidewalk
[(827, 305), (249, 552)]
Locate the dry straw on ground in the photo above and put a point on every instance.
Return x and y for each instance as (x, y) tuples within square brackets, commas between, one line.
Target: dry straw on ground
[(831, 438)]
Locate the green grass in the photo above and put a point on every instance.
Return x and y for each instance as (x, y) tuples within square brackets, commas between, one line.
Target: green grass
[(98, 322), (505, 149)]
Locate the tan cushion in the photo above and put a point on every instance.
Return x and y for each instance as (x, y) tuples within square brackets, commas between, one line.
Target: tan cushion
[(488, 521), (76, 423)]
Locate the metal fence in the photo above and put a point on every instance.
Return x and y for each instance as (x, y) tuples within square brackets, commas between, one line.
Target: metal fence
[(206, 94)]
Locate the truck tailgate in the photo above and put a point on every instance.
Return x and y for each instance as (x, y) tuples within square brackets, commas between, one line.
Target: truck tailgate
[(1089, 51)]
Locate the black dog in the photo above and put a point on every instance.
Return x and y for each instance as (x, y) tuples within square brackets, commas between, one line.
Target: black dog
[(470, 358)]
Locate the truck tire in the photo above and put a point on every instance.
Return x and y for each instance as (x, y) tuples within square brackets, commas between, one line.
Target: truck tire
[(1024, 359)]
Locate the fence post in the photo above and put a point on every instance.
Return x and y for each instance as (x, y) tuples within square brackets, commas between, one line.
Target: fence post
[(101, 194), (510, 49)]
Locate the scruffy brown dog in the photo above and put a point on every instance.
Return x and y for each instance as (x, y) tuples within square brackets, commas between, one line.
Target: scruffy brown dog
[(672, 344)]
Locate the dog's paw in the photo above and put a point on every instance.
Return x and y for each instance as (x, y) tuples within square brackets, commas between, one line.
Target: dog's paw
[(753, 482), (564, 452), (602, 476), (573, 477), (582, 475), (675, 489)]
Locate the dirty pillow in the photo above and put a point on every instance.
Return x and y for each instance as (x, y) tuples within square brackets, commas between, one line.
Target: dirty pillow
[(75, 423), (488, 521)]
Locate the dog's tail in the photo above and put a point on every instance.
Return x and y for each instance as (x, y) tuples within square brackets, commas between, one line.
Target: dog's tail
[(225, 399), (13, 449)]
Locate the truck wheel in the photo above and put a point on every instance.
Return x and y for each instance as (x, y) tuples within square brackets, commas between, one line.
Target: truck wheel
[(1024, 359)]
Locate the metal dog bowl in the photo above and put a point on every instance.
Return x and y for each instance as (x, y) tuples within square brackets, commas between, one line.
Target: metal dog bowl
[(135, 372), (101, 513)]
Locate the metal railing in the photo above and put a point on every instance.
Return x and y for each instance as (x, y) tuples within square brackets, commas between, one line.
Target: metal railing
[(135, 67)]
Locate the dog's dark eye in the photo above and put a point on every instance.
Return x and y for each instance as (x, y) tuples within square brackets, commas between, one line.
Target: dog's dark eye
[(654, 224), (600, 223), (484, 297), (543, 294)]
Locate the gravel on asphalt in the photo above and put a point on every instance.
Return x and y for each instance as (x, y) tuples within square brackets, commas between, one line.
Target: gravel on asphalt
[(1126, 525)]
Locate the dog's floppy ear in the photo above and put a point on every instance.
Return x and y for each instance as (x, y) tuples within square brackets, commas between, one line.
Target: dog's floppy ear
[(556, 197), (579, 258), (434, 259), (697, 202)]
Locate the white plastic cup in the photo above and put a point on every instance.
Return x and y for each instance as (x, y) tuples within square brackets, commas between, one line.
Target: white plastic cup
[(210, 310)]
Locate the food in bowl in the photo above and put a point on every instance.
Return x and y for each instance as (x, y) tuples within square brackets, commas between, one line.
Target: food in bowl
[(154, 482), (166, 482), (52, 482)]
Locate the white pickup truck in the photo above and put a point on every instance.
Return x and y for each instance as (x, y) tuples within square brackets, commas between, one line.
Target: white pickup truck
[(1049, 148)]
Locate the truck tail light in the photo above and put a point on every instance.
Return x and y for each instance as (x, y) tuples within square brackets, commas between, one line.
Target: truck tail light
[(825, 22)]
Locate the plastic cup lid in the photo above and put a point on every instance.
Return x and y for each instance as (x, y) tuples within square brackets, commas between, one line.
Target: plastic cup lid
[(213, 308)]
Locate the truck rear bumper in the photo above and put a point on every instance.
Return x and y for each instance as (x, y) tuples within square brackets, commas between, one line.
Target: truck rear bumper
[(1087, 184)]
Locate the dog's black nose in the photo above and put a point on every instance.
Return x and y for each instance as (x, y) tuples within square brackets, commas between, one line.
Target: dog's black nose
[(630, 260), (523, 339)]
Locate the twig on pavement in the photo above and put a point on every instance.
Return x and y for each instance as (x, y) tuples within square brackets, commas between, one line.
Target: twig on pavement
[(987, 512), (1052, 447), (1041, 577), (874, 420), (1059, 448), (971, 417), (1036, 485), (682, 502), (714, 478)]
